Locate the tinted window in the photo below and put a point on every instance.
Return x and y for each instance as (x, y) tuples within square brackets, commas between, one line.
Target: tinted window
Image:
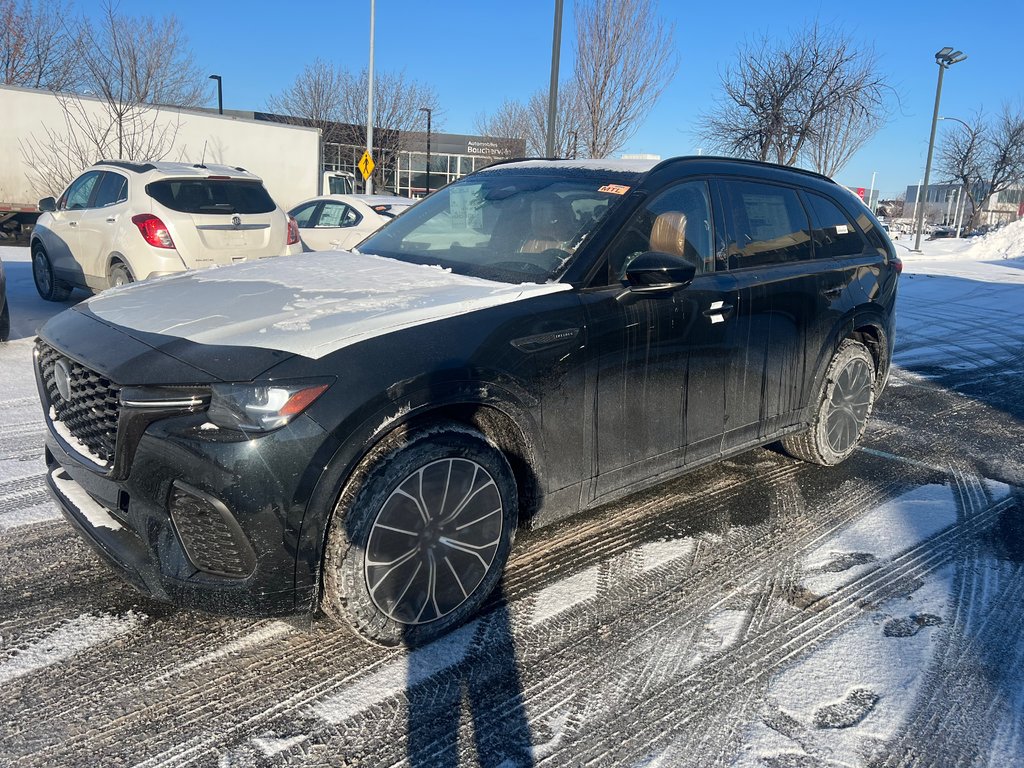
[(337, 215), (213, 196), (113, 189), (677, 222), (834, 234), (303, 214), (78, 194), (769, 225)]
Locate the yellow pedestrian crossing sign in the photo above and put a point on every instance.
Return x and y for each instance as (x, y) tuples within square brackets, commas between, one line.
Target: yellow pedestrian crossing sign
[(366, 165)]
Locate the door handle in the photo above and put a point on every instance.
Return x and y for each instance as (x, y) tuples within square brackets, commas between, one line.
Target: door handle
[(111, 219), (72, 223), (832, 293), (718, 311)]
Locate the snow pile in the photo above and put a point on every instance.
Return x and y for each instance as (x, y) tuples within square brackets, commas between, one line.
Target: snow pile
[(1006, 243)]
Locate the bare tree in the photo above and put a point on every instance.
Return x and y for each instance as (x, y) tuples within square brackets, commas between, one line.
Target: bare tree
[(508, 126), (315, 98), (36, 49), (132, 67), (515, 121), (91, 132), (960, 159), (780, 100), (841, 132), (139, 60), (625, 58), (986, 155), (398, 101)]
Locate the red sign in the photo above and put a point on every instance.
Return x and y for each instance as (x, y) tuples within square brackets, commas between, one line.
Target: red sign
[(860, 192), (1020, 211)]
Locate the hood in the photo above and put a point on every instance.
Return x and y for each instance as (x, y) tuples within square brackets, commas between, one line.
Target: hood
[(309, 305)]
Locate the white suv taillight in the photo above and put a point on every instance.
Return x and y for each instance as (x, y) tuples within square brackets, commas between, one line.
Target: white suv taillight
[(153, 230), (293, 231)]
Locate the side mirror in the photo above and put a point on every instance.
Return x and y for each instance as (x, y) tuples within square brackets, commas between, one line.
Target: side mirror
[(48, 205), (654, 272)]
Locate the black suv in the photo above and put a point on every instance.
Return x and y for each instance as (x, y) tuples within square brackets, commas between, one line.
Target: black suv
[(362, 433)]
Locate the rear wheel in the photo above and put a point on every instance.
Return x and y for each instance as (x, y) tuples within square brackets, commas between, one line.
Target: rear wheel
[(420, 536), (42, 274), (844, 403), (119, 275)]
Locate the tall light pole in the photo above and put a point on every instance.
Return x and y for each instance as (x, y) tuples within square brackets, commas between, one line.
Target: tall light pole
[(220, 94), (428, 111), (945, 58), (556, 48), (871, 193), (369, 100)]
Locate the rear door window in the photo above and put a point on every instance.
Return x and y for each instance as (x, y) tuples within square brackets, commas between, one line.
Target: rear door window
[(835, 235), (113, 189), (211, 196), (337, 215), (768, 224)]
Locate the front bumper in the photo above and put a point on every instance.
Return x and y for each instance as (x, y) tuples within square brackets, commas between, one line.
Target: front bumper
[(247, 563)]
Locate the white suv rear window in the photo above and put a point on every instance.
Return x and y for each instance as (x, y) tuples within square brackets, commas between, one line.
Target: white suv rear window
[(211, 196)]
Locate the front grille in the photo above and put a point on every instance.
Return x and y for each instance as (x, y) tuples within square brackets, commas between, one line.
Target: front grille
[(212, 539), (90, 411)]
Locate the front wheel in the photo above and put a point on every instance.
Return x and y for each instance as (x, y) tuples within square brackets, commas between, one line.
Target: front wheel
[(42, 275), (420, 536), (844, 405)]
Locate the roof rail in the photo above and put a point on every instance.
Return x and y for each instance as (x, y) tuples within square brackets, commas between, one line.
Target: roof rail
[(745, 161), (136, 167)]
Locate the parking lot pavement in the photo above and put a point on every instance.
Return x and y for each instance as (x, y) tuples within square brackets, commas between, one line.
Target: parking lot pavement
[(757, 612)]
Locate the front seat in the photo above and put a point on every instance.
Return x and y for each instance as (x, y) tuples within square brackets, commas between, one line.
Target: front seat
[(553, 225), (668, 235)]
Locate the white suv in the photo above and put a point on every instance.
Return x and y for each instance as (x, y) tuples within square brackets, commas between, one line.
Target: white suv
[(119, 222)]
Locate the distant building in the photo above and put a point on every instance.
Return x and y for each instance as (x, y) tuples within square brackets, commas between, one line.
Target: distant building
[(640, 156), (1001, 208)]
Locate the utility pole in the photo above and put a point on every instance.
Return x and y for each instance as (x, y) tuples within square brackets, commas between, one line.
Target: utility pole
[(556, 48), (369, 100)]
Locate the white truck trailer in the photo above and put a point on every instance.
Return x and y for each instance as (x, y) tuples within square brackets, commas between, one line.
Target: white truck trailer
[(38, 123)]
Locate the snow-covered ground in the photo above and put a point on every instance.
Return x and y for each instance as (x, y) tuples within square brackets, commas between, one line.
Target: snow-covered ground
[(760, 612)]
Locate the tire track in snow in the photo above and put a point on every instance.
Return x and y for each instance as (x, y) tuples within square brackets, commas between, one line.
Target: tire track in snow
[(74, 637), (748, 663)]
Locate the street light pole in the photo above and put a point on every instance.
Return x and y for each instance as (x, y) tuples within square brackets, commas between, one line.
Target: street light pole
[(369, 100), (945, 58), (428, 111), (556, 48), (220, 94)]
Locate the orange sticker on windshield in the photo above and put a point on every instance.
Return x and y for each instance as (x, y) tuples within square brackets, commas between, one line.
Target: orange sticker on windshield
[(615, 189)]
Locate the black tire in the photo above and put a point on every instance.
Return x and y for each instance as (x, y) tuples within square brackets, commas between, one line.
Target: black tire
[(5, 322), (844, 406), (42, 274), (380, 535), (119, 275)]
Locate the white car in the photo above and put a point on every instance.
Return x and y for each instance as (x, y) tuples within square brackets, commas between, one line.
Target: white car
[(339, 222), (120, 222)]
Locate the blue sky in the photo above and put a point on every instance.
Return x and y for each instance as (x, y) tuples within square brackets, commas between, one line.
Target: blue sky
[(475, 54)]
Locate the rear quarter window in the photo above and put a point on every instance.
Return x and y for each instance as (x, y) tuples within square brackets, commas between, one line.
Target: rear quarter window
[(211, 196), (835, 235)]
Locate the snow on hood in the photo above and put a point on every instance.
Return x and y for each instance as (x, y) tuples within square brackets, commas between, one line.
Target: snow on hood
[(310, 305)]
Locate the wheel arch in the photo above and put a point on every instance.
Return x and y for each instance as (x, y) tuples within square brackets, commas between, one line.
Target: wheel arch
[(502, 421)]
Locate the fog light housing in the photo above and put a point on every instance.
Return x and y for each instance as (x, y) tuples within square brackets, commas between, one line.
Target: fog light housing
[(211, 537)]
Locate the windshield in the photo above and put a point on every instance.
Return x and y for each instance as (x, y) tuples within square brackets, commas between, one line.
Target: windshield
[(510, 227)]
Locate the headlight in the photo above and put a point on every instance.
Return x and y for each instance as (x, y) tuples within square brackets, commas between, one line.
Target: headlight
[(262, 407)]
